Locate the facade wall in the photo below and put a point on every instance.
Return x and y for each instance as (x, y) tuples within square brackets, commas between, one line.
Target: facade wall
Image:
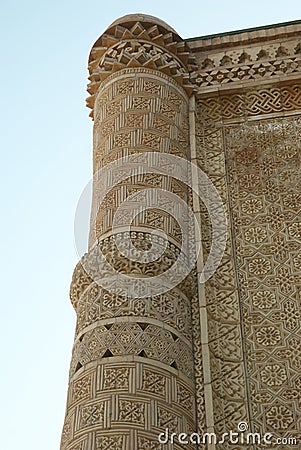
[(255, 161)]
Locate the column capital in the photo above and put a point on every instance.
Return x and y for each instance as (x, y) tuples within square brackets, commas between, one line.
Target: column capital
[(139, 40)]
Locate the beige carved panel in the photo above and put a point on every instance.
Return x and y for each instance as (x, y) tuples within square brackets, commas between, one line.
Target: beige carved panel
[(256, 165), (228, 383), (266, 217)]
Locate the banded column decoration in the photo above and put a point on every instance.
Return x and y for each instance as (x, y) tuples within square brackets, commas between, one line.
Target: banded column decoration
[(132, 369)]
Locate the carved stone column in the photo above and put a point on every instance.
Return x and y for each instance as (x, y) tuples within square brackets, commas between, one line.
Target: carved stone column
[(132, 369)]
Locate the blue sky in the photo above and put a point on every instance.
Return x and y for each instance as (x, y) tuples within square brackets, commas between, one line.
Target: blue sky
[(46, 154)]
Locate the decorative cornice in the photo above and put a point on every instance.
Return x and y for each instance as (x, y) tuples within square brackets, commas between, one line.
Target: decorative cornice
[(254, 63), (140, 41)]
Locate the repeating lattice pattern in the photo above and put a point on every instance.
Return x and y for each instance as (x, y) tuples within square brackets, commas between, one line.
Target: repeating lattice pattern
[(261, 186), (221, 291), (266, 216), (113, 404)]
